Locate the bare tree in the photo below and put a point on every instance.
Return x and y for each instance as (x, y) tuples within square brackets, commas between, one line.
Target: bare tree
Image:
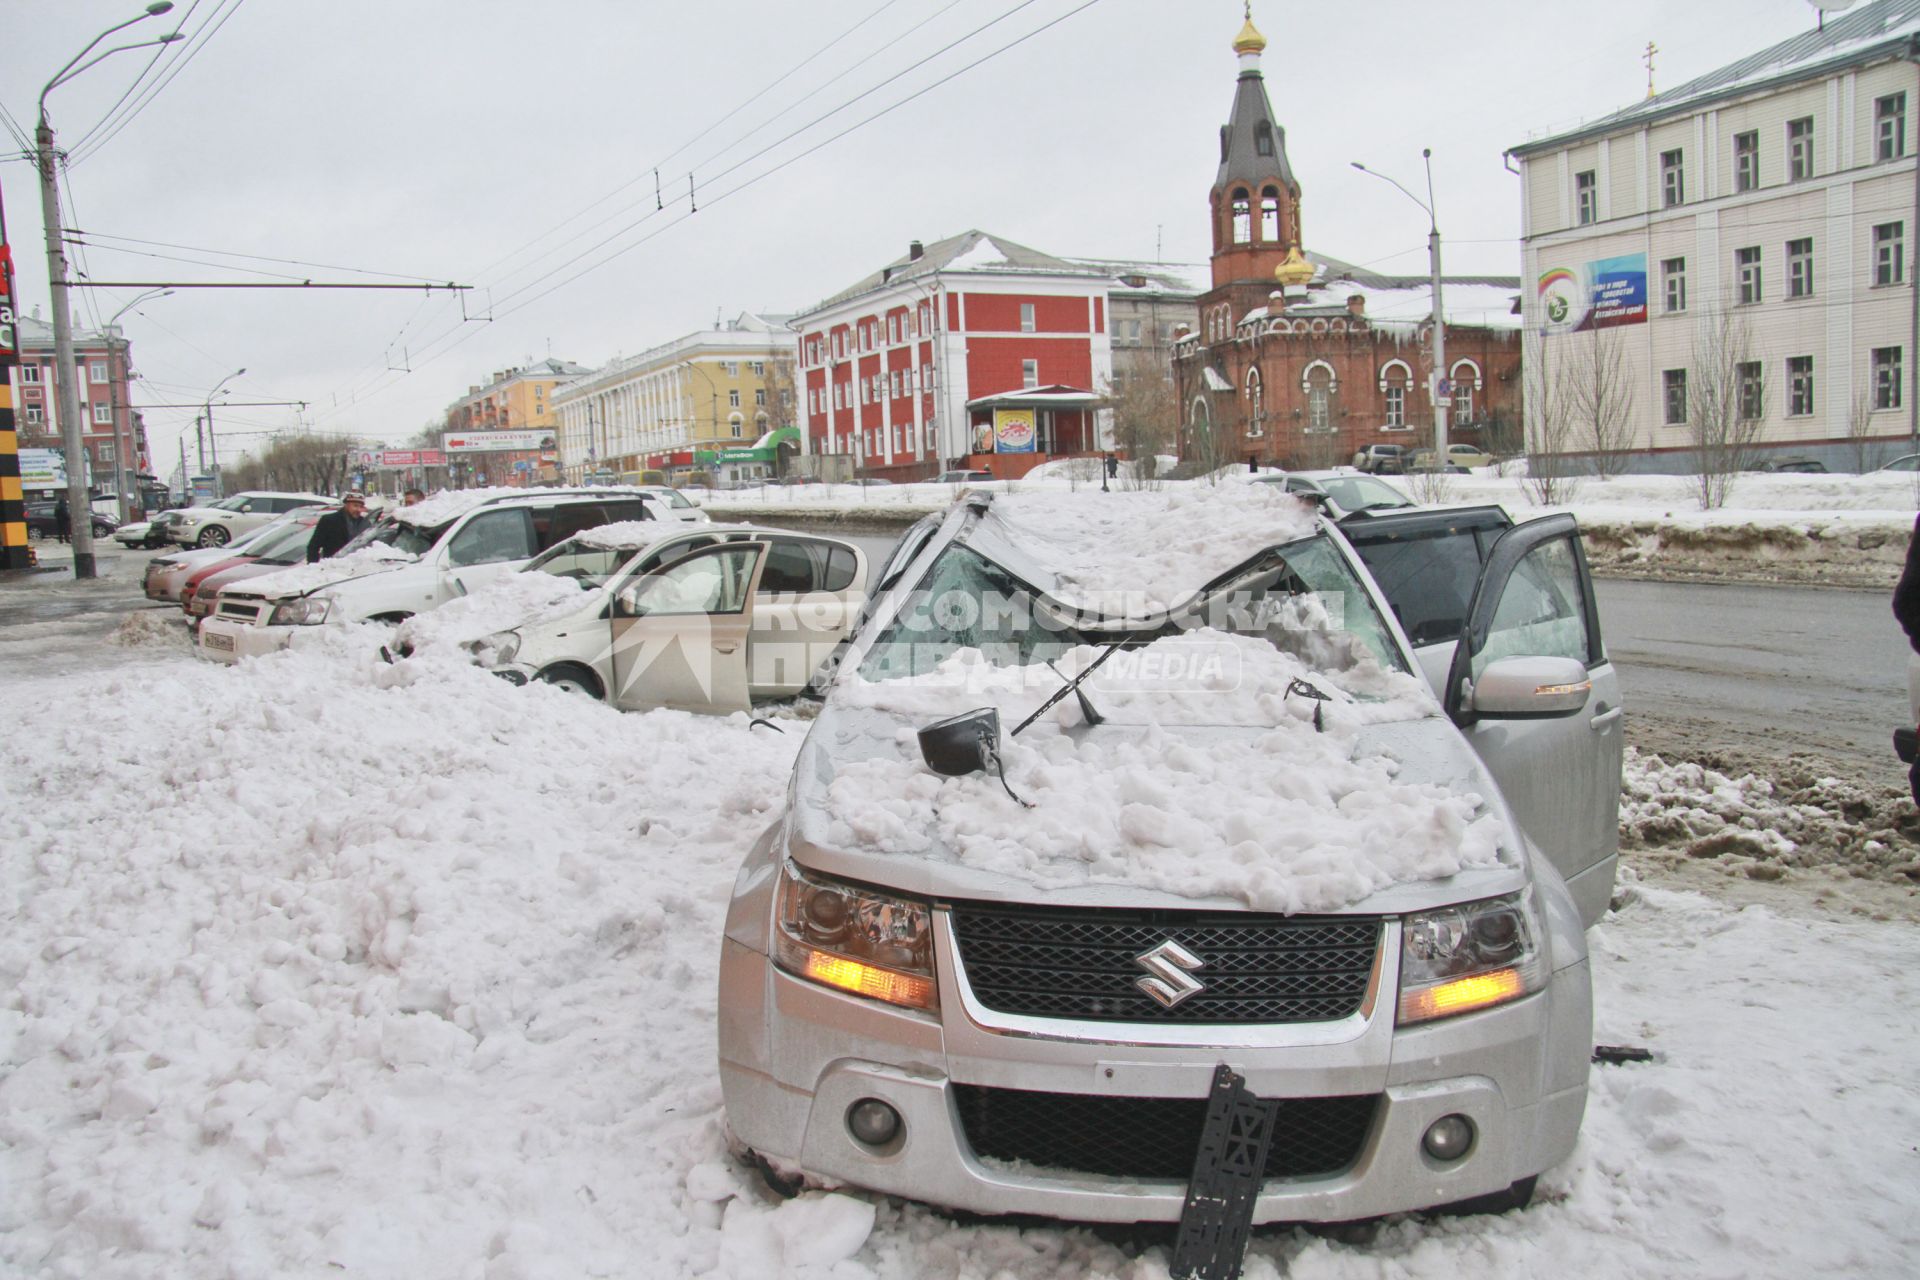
[(1146, 419), (1552, 430), (1860, 442), (1726, 405), (1601, 396)]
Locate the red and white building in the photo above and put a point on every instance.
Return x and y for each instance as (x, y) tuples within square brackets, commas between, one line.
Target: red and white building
[(969, 352), (111, 430)]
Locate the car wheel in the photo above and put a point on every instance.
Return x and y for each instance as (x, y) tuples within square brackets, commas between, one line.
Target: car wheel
[(572, 679), (35, 533), (213, 535)]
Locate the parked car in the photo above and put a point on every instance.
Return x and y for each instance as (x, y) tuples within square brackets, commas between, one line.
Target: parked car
[(1906, 462), (1460, 458), (1340, 492), (218, 524), (1381, 459), (141, 533), (709, 620), (281, 545), (998, 973), (41, 523), (673, 505), (416, 559), (166, 576), (1792, 463), (962, 477)]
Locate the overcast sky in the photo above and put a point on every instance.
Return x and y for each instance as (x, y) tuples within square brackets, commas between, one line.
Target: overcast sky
[(451, 139)]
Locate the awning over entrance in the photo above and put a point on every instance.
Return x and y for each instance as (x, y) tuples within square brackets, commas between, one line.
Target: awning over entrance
[(1212, 378), (1054, 397), (765, 449)]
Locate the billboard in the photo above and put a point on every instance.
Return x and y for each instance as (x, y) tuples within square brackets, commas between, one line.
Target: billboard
[(1013, 431), (1602, 294), (497, 441)]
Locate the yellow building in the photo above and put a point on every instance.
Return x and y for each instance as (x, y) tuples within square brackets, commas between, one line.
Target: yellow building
[(516, 400)]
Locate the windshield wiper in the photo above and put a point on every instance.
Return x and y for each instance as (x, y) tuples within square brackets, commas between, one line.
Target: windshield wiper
[(1073, 687)]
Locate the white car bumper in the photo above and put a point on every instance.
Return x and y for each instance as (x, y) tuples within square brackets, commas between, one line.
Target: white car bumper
[(225, 640)]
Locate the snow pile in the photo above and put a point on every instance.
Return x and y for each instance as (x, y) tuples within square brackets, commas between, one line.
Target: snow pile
[(1193, 787), (1154, 550), (373, 558), (451, 504), (153, 627), (508, 601)]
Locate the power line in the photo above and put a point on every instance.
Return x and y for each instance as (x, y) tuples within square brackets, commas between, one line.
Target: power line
[(73, 232), (207, 31), (164, 50)]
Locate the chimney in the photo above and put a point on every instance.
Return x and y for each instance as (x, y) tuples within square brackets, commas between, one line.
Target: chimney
[(916, 251), (1356, 304)]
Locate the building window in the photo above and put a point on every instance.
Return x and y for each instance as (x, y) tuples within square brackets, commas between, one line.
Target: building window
[(1673, 275), (1270, 215), (1026, 317), (733, 368), (1886, 377), (759, 369), (1746, 264), (35, 415), (1890, 253), (1029, 373), (1746, 161), (1800, 149), (1263, 138), (102, 413), (733, 398), (29, 375), (1673, 179), (1800, 268), (1319, 400), (1749, 380), (1256, 405), (1673, 383), (760, 396), (1800, 386), (1586, 197), (1890, 126), (735, 426), (1242, 218), (1463, 402), (98, 372)]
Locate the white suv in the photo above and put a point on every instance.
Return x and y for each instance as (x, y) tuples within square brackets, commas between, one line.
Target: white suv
[(231, 517), (417, 559)]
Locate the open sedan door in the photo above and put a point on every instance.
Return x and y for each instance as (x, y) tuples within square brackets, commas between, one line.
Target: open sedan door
[(679, 634)]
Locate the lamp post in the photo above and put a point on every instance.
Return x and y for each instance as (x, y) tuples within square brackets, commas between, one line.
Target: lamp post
[(67, 390), (213, 441), (129, 463), (1441, 388)]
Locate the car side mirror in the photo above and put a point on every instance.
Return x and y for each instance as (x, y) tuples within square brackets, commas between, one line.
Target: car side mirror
[(962, 744), (627, 602), (1530, 688)]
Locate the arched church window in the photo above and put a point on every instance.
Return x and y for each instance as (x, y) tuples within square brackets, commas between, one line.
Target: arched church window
[(1263, 138), (1320, 399), (1270, 216), (1256, 405), (1242, 218)]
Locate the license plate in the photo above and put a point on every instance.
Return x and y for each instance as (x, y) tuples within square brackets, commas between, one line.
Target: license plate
[(213, 640)]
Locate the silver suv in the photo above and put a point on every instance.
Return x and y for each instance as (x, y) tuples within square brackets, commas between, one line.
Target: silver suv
[(998, 973)]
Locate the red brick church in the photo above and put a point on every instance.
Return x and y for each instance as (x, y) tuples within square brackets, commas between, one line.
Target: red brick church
[(1301, 359)]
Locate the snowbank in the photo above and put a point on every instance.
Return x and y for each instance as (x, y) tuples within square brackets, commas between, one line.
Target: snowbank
[(510, 600)]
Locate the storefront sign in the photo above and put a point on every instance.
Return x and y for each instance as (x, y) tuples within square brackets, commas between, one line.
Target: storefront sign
[(1602, 294), (1013, 431), (43, 469), (498, 441)]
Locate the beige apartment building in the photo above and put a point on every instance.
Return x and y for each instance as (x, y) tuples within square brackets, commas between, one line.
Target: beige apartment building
[(1759, 219), (716, 402)]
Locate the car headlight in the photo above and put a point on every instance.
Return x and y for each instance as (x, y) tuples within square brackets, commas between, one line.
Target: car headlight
[(495, 649), (871, 944), (1467, 957), (305, 612)]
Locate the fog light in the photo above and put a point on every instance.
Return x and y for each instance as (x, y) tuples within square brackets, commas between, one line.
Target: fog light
[(873, 1122), (1448, 1138)]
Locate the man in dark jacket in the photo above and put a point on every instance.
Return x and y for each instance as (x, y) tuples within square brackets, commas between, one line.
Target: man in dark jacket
[(62, 518), (1906, 608), (336, 529)]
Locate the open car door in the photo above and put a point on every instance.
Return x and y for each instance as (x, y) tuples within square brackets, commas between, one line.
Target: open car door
[(679, 634), (1532, 689)]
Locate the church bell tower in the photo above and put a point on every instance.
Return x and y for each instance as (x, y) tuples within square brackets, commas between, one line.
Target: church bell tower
[(1256, 200)]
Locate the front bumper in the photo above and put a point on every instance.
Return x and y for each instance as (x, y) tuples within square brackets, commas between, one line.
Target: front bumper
[(225, 640), (795, 1057)]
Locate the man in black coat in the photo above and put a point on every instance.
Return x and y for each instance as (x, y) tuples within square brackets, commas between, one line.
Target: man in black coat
[(62, 518), (336, 529), (1906, 608)]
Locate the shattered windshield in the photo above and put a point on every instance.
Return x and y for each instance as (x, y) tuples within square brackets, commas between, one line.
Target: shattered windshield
[(588, 565), (399, 535), (1301, 599), (1363, 493)]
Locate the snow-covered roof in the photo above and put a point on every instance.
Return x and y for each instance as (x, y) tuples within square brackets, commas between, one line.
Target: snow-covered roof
[(1877, 30), (1389, 302), (632, 535), (1128, 278), (970, 251), (1054, 395)]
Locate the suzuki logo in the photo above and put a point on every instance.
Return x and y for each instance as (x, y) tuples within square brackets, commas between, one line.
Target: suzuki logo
[(1171, 966)]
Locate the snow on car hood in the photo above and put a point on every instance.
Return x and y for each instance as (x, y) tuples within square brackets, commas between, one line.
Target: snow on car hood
[(509, 601), (1134, 554), (1197, 792), (637, 535), (302, 579)]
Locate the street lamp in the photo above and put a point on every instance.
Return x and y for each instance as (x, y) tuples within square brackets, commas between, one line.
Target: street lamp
[(1441, 388), (67, 390), (213, 441), (129, 462)]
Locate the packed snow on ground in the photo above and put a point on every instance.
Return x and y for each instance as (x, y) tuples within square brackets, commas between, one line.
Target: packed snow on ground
[(1212, 780), (409, 973)]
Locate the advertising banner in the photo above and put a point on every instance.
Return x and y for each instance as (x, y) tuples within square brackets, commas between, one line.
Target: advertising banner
[(1013, 431), (43, 469), (1602, 294), (432, 458), (400, 458), (497, 441)]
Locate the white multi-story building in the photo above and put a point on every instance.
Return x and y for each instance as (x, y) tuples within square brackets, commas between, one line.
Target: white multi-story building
[(718, 401), (1761, 219)]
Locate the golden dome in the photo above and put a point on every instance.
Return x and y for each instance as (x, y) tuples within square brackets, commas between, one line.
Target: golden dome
[(1295, 270), (1249, 40)]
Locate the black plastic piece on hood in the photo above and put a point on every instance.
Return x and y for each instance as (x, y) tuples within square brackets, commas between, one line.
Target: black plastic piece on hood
[(1616, 1055), (1217, 1219), (966, 743)]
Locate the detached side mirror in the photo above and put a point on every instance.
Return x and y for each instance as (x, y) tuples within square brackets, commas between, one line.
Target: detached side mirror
[(962, 744), (626, 604), (1529, 688)]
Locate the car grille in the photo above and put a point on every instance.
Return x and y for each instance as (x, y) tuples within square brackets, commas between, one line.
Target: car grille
[(1152, 1137), (239, 610), (1065, 963)]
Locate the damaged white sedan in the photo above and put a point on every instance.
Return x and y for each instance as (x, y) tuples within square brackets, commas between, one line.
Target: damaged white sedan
[(1122, 809)]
